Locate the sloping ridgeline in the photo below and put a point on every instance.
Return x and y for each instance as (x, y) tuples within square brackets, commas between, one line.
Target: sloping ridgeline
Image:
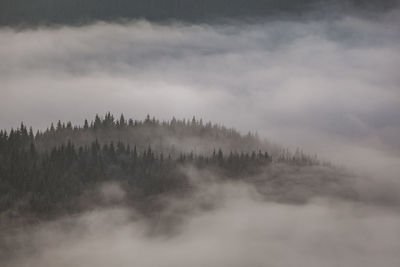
[(62, 170)]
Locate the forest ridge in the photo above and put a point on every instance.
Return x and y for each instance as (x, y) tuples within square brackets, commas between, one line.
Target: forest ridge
[(49, 173)]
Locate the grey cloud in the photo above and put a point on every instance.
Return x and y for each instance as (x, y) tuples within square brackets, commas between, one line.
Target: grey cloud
[(241, 230), (326, 85)]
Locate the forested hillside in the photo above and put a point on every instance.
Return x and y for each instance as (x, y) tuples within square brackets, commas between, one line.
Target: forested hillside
[(172, 137), (60, 170)]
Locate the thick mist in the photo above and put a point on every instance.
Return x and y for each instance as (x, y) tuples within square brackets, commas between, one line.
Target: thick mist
[(222, 224), (329, 86)]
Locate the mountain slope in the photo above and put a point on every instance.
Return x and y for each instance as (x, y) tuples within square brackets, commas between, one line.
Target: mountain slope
[(67, 169)]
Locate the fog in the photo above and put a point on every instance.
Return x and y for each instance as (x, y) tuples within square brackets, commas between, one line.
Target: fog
[(329, 86), (222, 224)]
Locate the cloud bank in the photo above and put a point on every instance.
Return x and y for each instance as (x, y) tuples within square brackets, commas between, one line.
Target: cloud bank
[(330, 86), (241, 229)]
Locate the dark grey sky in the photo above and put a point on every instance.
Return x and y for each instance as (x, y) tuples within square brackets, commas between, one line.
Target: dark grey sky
[(27, 13)]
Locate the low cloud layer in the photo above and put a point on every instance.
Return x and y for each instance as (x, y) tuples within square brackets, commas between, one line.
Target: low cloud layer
[(241, 229), (328, 86)]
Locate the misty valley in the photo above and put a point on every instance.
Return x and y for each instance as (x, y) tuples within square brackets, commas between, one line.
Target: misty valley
[(117, 173), (199, 133)]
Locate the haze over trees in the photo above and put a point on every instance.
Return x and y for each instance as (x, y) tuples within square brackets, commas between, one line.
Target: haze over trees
[(114, 191), (110, 190), (58, 171)]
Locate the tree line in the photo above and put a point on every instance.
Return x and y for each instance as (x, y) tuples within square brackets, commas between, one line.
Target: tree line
[(49, 173)]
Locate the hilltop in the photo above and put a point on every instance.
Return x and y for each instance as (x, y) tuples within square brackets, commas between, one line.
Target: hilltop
[(67, 168)]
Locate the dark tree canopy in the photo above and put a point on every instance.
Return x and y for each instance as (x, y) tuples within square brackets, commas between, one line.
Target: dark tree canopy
[(49, 173)]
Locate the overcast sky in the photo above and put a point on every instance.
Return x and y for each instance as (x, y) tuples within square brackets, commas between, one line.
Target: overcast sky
[(328, 86)]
